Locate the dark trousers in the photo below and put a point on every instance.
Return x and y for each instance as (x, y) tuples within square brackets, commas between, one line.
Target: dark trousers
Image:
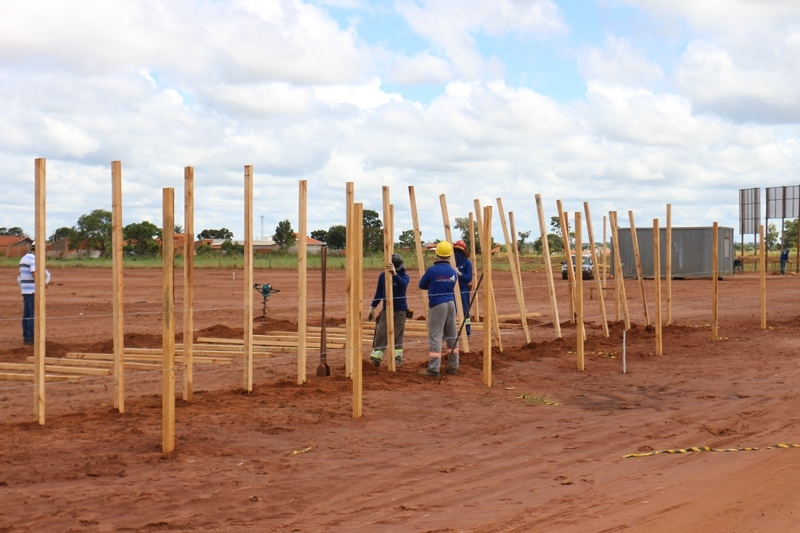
[(27, 318)]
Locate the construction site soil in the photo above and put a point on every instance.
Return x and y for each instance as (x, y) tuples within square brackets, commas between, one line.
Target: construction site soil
[(543, 449)]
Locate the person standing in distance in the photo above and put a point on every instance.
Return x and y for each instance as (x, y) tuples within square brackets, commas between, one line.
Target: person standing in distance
[(26, 281), (399, 285), (464, 267), (440, 282), (784, 260)]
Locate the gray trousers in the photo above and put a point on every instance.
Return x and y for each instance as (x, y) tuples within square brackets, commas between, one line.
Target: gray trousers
[(442, 324), (379, 341)]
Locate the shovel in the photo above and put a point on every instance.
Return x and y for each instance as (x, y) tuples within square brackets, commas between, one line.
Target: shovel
[(323, 369)]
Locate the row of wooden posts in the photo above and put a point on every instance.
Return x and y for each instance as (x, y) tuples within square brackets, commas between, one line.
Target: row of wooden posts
[(354, 286)]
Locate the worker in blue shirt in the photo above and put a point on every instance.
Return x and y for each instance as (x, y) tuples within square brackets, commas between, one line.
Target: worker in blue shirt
[(464, 267), (399, 285), (440, 282)]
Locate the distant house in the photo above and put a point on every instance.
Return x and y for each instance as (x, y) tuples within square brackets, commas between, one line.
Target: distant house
[(313, 246), (11, 246)]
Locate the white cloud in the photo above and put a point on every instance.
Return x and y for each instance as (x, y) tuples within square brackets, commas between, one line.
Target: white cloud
[(618, 62)]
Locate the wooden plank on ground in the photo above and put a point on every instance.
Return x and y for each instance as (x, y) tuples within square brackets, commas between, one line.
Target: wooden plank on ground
[(13, 376)]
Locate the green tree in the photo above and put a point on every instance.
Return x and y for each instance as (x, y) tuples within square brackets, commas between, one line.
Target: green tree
[(554, 242), (223, 233), (462, 224), (61, 233), (373, 232), (93, 232), (12, 232), (521, 244), (790, 233), (231, 248), (320, 235), (772, 237), (178, 229), (337, 237), (406, 239), (284, 235), (143, 237)]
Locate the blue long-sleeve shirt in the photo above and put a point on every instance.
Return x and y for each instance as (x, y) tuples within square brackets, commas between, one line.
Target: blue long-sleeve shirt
[(399, 286), (464, 266), (440, 282)]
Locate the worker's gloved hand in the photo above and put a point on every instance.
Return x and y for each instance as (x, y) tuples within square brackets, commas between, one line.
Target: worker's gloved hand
[(390, 268), (469, 286), (371, 314)]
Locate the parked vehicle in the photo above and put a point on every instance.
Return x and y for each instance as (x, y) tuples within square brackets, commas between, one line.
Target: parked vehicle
[(587, 268)]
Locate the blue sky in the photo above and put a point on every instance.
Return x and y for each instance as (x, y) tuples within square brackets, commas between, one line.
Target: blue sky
[(625, 104)]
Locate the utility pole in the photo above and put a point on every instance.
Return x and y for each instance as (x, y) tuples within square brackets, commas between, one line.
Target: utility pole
[(262, 228)]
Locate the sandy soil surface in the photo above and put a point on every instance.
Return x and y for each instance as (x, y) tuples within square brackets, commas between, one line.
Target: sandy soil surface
[(543, 449)]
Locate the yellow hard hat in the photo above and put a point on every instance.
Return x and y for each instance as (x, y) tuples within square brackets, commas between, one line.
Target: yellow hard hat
[(444, 249)]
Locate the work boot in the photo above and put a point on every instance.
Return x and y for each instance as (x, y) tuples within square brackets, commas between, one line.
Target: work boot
[(376, 357), (434, 363), (398, 358), (452, 363), (424, 372)]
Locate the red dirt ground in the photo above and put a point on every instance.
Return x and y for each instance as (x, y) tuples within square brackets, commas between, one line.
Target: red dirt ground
[(541, 450)]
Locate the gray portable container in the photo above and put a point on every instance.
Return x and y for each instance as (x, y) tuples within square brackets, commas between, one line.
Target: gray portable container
[(691, 252)]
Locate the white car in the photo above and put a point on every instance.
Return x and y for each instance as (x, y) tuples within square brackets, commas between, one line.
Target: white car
[(587, 268)]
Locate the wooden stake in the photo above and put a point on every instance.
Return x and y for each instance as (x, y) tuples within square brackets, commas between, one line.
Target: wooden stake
[(595, 268), (715, 282), (349, 290), (489, 312), (487, 253), (548, 266), (448, 235), (605, 239), (168, 322), (418, 243), (668, 246), (618, 277), (581, 334), (357, 309), (188, 284), (477, 303), (118, 331), (514, 273), (247, 377), (388, 250), (562, 217), (302, 285), (40, 285), (514, 247), (635, 239), (657, 279), (763, 278)]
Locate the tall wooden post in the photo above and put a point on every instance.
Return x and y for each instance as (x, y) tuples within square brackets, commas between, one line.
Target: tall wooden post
[(39, 286), (448, 235), (476, 270), (349, 344), (118, 331), (488, 287), (618, 276), (418, 243), (302, 285), (563, 219), (668, 254), (388, 250), (523, 315), (548, 266), (605, 239), (356, 222), (579, 292), (639, 268), (657, 279), (247, 384), (168, 322), (486, 255), (715, 282), (763, 277), (595, 268), (188, 284)]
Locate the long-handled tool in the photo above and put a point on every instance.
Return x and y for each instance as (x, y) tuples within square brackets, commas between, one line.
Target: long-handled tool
[(323, 369), (443, 364)]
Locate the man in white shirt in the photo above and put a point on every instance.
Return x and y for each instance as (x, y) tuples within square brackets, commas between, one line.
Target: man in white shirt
[(26, 280)]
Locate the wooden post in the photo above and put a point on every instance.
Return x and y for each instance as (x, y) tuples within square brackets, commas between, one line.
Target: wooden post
[(118, 328), (523, 315), (548, 266), (486, 254), (388, 250), (639, 268), (605, 239), (668, 254), (448, 235), (356, 222), (619, 279), (515, 249), (476, 270), (349, 290), (489, 311), (657, 279), (715, 282), (168, 322), (562, 217), (302, 285), (595, 268), (579, 293), (40, 285), (418, 243), (247, 377), (763, 277), (188, 284)]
